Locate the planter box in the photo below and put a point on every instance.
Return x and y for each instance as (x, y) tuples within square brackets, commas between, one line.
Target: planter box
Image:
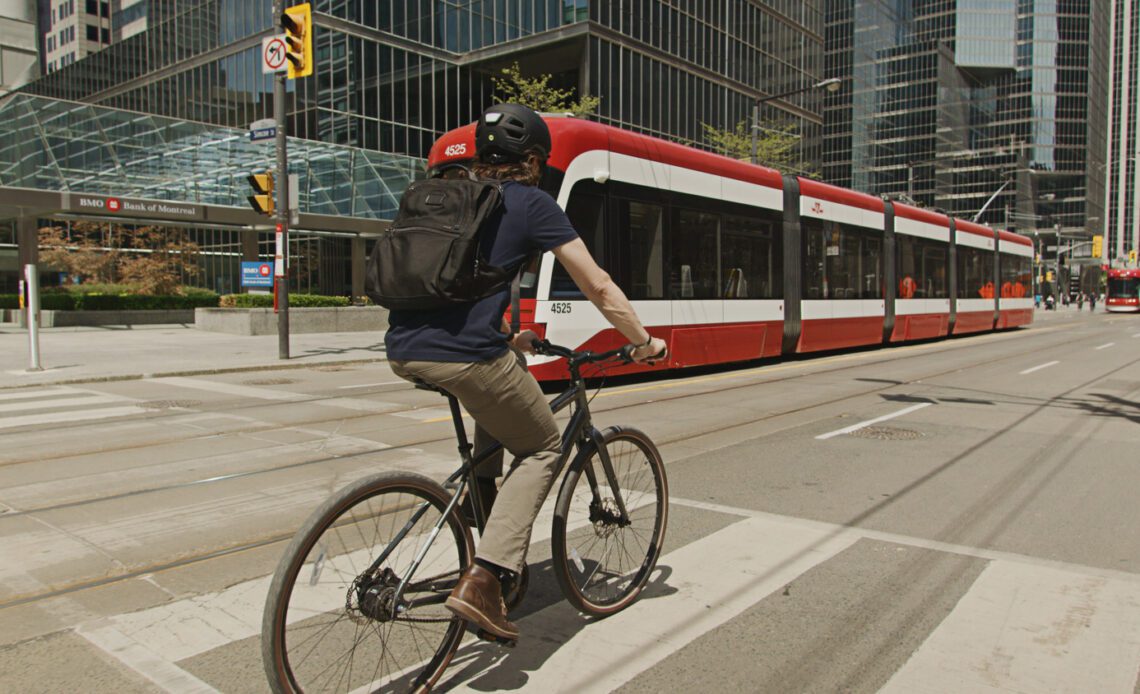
[(263, 321), (67, 319)]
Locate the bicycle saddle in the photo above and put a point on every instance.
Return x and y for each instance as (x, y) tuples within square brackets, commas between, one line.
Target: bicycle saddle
[(424, 385)]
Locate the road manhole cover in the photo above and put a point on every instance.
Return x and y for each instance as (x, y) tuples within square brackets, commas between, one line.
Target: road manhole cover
[(887, 434), (268, 382), (170, 404)]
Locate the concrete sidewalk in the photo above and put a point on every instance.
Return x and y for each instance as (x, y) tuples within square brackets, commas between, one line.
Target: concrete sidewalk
[(73, 355)]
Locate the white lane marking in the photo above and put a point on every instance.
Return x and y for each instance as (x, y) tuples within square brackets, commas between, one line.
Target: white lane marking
[(1136, 335), (620, 647), (78, 401), (1027, 629), (357, 404), (876, 420), (229, 388), (374, 385), (1105, 346), (54, 417), (168, 676), (923, 543), (1038, 367), (36, 393)]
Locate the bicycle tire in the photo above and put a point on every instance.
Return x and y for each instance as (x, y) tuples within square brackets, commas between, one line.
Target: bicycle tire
[(588, 581), (326, 602)]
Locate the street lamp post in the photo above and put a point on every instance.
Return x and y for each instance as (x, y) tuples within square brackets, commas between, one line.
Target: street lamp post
[(831, 85)]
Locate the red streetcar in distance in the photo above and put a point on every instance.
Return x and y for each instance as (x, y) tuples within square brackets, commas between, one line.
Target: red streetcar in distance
[(1123, 295), (729, 262)]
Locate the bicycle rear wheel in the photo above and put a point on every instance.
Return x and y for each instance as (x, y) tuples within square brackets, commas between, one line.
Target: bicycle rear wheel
[(335, 620), (601, 561)]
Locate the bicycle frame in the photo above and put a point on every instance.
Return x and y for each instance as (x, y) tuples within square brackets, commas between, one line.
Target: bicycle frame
[(579, 433)]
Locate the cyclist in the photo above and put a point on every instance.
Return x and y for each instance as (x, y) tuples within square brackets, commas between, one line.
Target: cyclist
[(464, 350)]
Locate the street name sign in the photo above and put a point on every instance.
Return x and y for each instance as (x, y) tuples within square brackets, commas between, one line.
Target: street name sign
[(264, 129)]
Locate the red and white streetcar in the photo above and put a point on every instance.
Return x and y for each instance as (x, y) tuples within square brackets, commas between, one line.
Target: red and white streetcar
[(1123, 294), (729, 262)]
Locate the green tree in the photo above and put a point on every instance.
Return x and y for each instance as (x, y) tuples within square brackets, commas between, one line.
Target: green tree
[(776, 146), (535, 92)]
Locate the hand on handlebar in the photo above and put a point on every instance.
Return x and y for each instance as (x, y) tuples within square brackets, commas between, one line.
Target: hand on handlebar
[(524, 341), (650, 353)]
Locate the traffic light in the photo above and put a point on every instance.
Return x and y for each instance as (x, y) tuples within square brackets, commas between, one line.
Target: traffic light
[(1098, 247), (262, 198), (297, 21), (1132, 256)]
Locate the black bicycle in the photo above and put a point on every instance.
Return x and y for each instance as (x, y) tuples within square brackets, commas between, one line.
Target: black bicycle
[(357, 602)]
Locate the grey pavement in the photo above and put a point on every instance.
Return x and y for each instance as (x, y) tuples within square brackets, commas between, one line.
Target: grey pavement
[(71, 355)]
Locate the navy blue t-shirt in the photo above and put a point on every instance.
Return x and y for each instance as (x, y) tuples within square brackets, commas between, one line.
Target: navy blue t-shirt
[(531, 222)]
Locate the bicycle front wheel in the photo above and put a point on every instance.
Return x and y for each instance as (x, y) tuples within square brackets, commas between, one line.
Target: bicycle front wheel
[(602, 560), (343, 611)]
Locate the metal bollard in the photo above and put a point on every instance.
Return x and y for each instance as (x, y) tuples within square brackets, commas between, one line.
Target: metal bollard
[(32, 282)]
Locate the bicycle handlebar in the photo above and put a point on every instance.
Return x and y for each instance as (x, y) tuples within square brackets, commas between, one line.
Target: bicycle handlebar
[(623, 353)]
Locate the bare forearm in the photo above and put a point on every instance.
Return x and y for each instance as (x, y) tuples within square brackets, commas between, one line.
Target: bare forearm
[(612, 302)]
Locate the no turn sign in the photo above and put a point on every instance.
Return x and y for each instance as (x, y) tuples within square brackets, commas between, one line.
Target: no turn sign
[(273, 54)]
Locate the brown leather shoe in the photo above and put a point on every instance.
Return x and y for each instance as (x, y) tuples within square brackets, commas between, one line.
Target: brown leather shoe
[(478, 598)]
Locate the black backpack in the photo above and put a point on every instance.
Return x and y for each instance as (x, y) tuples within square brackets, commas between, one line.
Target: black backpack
[(430, 258)]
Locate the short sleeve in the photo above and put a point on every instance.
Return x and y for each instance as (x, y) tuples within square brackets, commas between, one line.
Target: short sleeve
[(549, 225)]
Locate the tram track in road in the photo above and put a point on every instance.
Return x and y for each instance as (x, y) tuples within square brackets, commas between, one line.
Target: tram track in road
[(663, 442), (173, 414), (919, 351), (15, 512)]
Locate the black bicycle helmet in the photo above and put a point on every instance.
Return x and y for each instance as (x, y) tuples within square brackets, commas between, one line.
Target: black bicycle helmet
[(506, 132)]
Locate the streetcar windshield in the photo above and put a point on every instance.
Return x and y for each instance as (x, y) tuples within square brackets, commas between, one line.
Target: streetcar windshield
[(1123, 286)]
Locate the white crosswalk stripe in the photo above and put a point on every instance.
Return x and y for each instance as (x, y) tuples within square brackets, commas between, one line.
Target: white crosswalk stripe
[(53, 405), (1025, 624)]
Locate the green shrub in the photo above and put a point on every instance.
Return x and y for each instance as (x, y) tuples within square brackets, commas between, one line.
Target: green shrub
[(114, 297), (295, 301)]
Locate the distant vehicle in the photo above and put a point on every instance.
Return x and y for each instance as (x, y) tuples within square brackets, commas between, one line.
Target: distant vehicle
[(729, 262), (1123, 291)]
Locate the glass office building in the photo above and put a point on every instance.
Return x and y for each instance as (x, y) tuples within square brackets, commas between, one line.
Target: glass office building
[(1122, 204), (995, 104), (392, 75)]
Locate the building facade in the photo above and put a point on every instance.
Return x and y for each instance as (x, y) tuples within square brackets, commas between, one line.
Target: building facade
[(994, 107), (393, 75), (75, 29), (19, 47), (1122, 204)]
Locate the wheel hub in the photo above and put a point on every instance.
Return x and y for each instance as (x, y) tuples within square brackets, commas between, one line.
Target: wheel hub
[(605, 517), (373, 597)]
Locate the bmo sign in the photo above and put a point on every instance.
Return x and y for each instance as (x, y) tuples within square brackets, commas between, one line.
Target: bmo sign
[(108, 204), (144, 209)]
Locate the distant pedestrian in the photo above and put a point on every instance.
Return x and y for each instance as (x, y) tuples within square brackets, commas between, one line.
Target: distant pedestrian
[(1092, 302), (1081, 301)]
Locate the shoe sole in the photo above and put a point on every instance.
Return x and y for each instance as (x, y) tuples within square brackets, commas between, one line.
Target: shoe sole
[(470, 613)]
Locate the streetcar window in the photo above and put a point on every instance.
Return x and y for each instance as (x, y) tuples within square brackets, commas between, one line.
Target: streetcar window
[(841, 261), (586, 212), (693, 255), (975, 273), (751, 258), (923, 262), (1016, 278), (641, 234)]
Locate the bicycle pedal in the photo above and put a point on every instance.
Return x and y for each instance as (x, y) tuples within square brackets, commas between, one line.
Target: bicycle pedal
[(488, 636)]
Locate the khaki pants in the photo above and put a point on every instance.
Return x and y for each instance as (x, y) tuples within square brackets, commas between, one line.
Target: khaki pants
[(506, 402)]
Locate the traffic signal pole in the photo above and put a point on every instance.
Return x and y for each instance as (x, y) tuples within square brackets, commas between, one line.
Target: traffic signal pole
[(281, 264)]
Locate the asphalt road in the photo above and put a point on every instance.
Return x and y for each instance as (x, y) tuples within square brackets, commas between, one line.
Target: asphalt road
[(954, 516)]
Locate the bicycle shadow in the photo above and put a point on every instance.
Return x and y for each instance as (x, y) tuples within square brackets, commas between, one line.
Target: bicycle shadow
[(546, 623)]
